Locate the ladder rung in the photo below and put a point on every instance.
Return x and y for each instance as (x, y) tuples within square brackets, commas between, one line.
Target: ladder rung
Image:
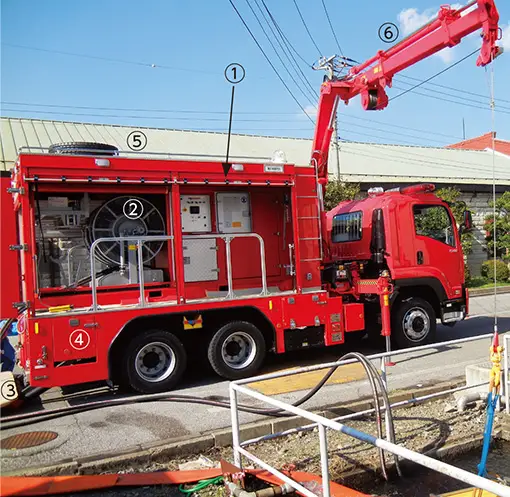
[(309, 238), (309, 260), (306, 196), (309, 217)]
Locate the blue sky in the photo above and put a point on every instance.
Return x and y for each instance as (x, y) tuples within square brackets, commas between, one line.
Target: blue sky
[(190, 44)]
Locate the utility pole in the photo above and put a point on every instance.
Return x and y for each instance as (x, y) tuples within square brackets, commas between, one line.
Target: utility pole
[(337, 148), (463, 129)]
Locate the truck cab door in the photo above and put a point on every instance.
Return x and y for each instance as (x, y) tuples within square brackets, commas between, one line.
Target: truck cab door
[(438, 251)]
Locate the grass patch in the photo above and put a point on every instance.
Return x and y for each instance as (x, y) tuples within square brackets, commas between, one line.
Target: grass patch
[(480, 282)]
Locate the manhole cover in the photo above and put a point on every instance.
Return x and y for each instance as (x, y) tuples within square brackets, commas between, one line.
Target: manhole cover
[(28, 439)]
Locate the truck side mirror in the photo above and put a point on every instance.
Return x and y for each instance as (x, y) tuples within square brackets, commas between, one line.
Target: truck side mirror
[(467, 221)]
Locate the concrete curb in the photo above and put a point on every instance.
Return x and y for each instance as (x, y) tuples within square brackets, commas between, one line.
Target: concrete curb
[(481, 292), (183, 446)]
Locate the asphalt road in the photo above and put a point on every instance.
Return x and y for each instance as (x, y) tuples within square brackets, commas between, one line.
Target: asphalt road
[(118, 428)]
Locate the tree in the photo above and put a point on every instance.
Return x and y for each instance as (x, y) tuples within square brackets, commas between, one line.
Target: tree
[(502, 227), (451, 195), (338, 191)]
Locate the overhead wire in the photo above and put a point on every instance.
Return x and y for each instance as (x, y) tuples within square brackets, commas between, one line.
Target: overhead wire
[(494, 223), (458, 90), (464, 99), (214, 119), (290, 49), (109, 59), (435, 75), (405, 159), (306, 27), (310, 100), (187, 111), (269, 61), (284, 36), (331, 26)]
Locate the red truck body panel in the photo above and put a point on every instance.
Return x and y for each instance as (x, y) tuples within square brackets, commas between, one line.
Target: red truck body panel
[(10, 271)]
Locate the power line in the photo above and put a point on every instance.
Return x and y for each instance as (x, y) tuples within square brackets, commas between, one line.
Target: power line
[(187, 119), (331, 26), (289, 47), (435, 75), (181, 111), (269, 61), (164, 118), (398, 126), (464, 99), (306, 27), (109, 59), (284, 37), (465, 104), (459, 90), (277, 54), (422, 159)]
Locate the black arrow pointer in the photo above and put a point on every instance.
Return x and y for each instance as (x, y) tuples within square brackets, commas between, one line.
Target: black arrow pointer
[(226, 165)]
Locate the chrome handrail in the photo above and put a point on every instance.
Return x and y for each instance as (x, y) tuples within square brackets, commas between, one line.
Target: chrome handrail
[(227, 238), (139, 241)]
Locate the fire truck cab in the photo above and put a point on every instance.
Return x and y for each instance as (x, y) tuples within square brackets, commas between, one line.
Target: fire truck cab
[(410, 233)]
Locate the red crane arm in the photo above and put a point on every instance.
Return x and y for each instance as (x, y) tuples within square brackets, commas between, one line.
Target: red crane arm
[(370, 78)]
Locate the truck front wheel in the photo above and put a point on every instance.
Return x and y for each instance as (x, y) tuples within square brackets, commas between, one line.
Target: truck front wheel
[(237, 350), (154, 361), (413, 323)]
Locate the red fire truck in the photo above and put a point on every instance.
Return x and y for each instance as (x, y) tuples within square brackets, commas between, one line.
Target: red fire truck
[(125, 269)]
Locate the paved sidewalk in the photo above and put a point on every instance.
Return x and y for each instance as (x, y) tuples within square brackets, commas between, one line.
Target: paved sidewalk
[(118, 428)]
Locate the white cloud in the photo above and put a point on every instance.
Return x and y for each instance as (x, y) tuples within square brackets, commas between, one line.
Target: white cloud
[(505, 39), (411, 19), (446, 55), (310, 110)]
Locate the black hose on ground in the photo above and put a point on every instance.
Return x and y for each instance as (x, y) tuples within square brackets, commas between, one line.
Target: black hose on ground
[(372, 374)]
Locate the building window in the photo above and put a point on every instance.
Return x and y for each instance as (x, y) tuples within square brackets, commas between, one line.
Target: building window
[(433, 221), (347, 227)]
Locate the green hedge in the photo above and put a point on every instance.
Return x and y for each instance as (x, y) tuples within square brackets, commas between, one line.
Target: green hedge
[(502, 271)]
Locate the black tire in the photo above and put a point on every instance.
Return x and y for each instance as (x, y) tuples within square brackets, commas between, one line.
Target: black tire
[(139, 359), (413, 323), (83, 148), (248, 360)]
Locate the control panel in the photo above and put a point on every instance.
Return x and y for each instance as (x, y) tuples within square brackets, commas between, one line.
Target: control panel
[(234, 213), (196, 213)]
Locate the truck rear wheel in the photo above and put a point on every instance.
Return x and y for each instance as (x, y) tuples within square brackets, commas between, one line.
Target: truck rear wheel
[(413, 323), (237, 350), (154, 361)]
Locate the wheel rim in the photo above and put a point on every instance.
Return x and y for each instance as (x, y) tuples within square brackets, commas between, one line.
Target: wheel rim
[(416, 324), (238, 350), (155, 362)]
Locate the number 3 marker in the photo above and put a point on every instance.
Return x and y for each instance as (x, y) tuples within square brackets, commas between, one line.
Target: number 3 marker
[(79, 339)]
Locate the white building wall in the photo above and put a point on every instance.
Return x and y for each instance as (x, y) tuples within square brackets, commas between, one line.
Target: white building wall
[(479, 203)]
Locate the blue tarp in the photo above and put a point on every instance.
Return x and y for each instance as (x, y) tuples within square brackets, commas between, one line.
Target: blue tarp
[(8, 354)]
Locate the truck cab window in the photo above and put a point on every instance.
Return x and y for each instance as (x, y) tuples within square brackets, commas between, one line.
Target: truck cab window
[(434, 222), (347, 227)]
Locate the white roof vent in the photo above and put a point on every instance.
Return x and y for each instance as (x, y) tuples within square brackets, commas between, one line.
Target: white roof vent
[(279, 157)]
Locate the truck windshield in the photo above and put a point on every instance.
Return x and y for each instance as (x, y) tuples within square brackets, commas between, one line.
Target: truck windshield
[(434, 222)]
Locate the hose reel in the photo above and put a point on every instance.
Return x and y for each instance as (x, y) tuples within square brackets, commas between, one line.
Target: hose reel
[(125, 216)]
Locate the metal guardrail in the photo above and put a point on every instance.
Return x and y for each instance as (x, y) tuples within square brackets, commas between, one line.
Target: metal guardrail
[(323, 423), (139, 241)]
